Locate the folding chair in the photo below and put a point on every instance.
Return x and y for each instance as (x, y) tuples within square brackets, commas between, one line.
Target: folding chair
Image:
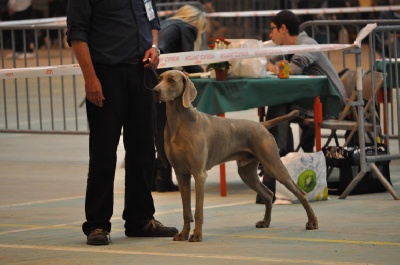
[(349, 80), (348, 120)]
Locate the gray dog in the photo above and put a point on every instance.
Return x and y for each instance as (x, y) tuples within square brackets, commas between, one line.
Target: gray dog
[(195, 142)]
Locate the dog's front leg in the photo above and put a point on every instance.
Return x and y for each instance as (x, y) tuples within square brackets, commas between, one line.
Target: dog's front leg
[(197, 235), (184, 188)]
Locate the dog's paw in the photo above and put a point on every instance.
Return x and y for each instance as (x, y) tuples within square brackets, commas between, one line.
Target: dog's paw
[(181, 237), (311, 225), (262, 224), (195, 238)]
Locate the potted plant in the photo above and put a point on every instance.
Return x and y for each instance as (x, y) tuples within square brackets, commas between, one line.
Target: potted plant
[(221, 68)]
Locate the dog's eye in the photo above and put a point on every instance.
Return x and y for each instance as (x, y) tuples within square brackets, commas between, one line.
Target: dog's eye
[(171, 80)]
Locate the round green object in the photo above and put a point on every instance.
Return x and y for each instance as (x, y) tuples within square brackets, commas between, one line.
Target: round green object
[(307, 180)]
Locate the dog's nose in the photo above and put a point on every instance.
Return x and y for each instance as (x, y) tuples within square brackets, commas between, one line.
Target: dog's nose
[(156, 93)]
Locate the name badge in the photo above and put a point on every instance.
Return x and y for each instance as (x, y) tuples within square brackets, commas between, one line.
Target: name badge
[(149, 10)]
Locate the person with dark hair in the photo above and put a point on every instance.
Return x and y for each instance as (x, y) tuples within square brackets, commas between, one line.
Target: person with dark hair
[(284, 30), (116, 45), (180, 33)]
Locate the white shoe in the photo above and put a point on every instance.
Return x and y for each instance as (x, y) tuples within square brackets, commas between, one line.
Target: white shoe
[(11, 55), (25, 55)]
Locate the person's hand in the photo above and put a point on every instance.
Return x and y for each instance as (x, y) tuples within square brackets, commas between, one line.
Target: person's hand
[(94, 92), (150, 58), (272, 68)]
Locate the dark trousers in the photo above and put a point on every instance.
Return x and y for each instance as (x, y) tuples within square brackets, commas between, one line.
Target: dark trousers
[(20, 45), (128, 106), (282, 132), (284, 138), (161, 120)]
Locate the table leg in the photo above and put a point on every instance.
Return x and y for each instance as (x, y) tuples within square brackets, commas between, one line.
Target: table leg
[(381, 100), (261, 113), (222, 180), (222, 173), (317, 121)]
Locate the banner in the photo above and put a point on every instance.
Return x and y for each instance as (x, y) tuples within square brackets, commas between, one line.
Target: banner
[(194, 58)]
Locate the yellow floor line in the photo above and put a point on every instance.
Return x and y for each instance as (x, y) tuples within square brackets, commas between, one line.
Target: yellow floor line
[(319, 240), (301, 239), (176, 255)]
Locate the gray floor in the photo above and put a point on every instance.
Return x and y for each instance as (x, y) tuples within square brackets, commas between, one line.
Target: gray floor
[(42, 208)]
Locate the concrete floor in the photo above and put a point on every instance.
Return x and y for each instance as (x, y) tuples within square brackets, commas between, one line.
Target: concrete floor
[(43, 179), (43, 182)]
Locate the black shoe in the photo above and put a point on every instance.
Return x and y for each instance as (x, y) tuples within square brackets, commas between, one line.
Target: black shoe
[(98, 237), (153, 229), (283, 152), (165, 185), (163, 180)]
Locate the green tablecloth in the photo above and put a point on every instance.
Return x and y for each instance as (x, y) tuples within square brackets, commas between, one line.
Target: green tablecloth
[(217, 97)]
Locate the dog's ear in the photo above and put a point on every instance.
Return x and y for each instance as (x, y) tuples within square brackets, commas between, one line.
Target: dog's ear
[(189, 92)]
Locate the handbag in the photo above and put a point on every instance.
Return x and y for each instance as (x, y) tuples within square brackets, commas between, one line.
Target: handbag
[(347, 160)]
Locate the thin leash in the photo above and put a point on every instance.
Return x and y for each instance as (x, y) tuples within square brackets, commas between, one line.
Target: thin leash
[(144, 78)]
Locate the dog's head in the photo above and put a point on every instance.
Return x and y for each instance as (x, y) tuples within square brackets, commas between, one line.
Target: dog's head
[(173, 84)]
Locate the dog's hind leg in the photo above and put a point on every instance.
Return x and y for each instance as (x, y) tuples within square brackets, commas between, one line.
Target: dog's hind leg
[(280, 173), (184, 189), (248, 173)]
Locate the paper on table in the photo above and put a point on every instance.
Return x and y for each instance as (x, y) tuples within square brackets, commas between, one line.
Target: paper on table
[(307, 76), (199, 75)]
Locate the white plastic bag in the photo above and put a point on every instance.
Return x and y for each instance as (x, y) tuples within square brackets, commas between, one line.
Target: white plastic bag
[(308, 170), (250, 67)]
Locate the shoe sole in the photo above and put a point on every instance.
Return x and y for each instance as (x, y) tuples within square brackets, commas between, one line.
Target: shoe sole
[(97, 243)]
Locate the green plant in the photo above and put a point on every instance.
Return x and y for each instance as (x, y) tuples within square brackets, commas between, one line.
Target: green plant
[(218, 44)]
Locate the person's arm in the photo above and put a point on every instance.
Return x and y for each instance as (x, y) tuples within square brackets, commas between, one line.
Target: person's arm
[(150, 58), (299, 62), (152, 54), (271, 67), (271, 63), (93, 89)]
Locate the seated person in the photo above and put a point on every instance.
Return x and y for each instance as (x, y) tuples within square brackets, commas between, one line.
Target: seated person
[(284, 30)]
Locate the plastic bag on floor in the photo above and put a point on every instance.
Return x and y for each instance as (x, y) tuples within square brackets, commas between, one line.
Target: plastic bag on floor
[(308, 170)]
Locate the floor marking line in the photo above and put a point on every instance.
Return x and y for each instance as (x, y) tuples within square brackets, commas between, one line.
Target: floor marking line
[(41, 202), (206, 207), (319, 240), (35, 227), (181, 255), (301, 239)]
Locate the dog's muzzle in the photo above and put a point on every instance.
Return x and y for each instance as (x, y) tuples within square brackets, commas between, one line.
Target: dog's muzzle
[(156, 94)]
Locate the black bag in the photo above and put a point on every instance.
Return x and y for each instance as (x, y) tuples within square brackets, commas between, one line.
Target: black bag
[(348, 163)]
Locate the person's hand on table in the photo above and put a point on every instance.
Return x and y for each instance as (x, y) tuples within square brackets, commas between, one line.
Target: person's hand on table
[(271, 68), (274, 68)]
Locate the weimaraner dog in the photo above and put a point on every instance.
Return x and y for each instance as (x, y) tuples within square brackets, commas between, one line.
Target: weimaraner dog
[(195, 142)]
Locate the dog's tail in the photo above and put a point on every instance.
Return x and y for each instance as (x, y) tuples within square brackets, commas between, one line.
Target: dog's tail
[(271, 123)]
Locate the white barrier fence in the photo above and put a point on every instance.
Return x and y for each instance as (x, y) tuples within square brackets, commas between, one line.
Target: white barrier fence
[(20, 93)]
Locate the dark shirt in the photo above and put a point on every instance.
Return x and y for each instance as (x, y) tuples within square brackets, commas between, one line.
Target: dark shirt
[(178, 36), (116, 31)]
